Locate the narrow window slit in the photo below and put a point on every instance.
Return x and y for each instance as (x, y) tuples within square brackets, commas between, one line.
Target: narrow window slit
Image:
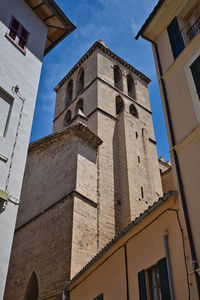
[(142, 192)]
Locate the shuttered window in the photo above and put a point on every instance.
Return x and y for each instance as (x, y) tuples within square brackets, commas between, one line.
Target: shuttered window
[(142, 285), (163, 278), (195, 69), (18, 34), (175, 38), (158, 282)]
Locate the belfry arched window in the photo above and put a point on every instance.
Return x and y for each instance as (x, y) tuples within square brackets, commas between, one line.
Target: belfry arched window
[(119, 105), (131, 86), (133, 110), (79, 105), (32, 291), (69, 93), (118, 78), (80, 82), (68, 117)]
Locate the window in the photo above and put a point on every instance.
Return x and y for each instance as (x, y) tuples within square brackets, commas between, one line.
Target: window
[(18, 34), (154, 283), (130, 86), (69, 92), (32, 291), (6, 102), (119, 105), (80, 82), (175, 38), (100, 297), (142, 192), (68, 117), (133, 111), (118, 78), (79, 105), (192, 21), (195, 69)]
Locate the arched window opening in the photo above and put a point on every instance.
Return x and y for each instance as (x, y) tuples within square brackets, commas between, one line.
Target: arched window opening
[(69, 93), (119, 105), (118, 78), (79, 105), (131, 86), (133, 111), (32, 291), (68, 118), (80, 82)]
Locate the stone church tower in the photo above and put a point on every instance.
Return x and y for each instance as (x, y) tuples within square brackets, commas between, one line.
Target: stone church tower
[(86, 181)]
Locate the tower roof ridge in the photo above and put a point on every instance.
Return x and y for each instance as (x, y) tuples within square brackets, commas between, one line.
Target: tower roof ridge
[(105, 49)]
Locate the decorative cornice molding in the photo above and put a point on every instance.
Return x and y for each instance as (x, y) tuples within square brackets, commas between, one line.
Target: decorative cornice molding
[(78, 129)]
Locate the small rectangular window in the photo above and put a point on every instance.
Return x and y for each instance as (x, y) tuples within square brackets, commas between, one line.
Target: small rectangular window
[(5, 111), (175, 38), (18, 34), (195, 69)]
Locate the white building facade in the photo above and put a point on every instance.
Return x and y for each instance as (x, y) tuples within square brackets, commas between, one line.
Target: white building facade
[(28, 30)]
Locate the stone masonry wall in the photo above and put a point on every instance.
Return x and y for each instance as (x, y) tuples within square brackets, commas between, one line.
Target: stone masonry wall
[(49, 175), (43, 246)]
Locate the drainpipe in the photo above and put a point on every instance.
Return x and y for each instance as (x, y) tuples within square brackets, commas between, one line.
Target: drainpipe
[(126, 266), (180, 181), (165, 238)]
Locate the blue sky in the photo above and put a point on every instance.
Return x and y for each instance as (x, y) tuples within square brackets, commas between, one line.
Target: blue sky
[(117, 22)]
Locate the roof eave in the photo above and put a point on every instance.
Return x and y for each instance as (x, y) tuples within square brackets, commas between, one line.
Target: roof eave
[(68, 26), (149, 19), (58, 41)]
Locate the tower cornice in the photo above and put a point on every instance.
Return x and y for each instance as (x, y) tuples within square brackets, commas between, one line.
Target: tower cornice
[(78, 129), (111, 54)]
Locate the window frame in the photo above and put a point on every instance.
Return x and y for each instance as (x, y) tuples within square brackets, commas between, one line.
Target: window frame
[(192, 86), (175, 37), (151, 286), (18, 36)]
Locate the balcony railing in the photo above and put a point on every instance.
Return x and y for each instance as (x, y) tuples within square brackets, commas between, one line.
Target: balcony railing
[(194, 29)]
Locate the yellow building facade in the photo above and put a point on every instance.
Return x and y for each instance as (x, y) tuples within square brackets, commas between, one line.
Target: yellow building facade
[(173, 29)]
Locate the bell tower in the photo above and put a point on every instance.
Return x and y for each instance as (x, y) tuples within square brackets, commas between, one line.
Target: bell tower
[(90, 178), (113, 99)]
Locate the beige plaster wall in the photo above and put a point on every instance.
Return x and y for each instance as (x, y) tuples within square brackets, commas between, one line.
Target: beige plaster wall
[(189, 160), (177, 86)]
